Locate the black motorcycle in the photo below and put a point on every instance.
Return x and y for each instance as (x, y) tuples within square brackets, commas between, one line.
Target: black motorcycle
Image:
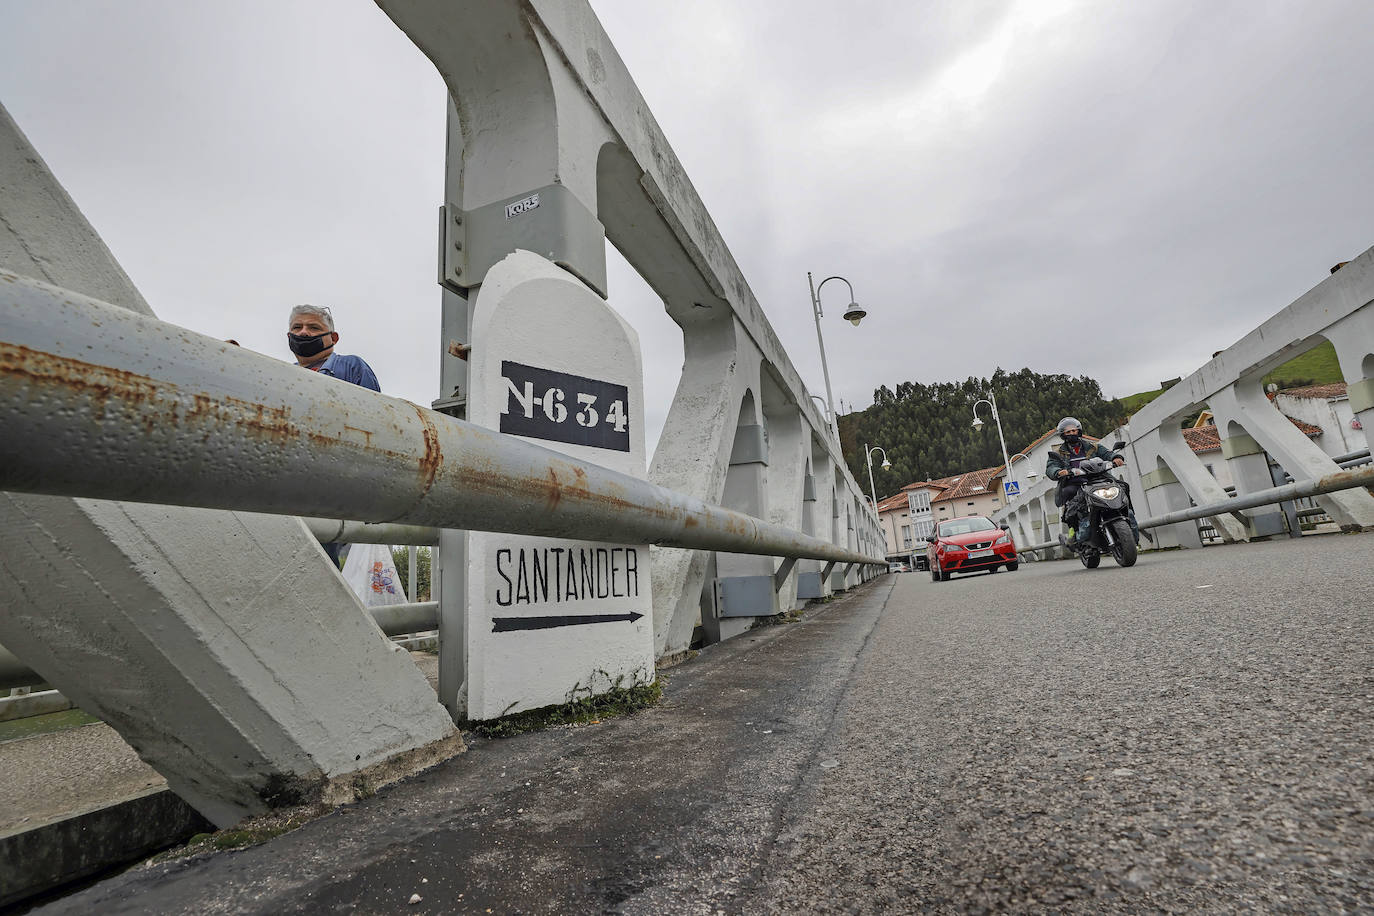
[(1107, 501)]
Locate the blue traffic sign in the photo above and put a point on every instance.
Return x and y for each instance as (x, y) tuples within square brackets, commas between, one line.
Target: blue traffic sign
[(1012, 488)]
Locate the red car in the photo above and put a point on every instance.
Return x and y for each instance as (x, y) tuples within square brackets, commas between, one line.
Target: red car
[(969, 544)]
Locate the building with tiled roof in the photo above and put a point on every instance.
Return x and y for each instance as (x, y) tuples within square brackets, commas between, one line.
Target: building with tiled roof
[(1328, 407), (971, 493), (1332, 392), (1205, 441)]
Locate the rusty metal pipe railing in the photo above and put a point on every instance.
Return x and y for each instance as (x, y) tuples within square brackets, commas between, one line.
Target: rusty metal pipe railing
[(1338, 480), (100, 402), (327, 530)]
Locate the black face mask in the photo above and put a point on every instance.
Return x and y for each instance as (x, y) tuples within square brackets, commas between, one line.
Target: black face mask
[(305, 345), (1072, 440)]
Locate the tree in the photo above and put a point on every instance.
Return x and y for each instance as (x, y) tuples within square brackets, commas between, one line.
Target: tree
[(401, 557), (927, 432)]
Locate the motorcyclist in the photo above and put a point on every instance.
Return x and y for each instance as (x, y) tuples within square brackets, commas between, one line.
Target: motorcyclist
[(1063, 466)]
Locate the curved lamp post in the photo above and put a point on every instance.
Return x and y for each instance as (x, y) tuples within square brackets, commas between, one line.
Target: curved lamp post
[(991, 401), (886, 465), (1031, 475), (854, 314)]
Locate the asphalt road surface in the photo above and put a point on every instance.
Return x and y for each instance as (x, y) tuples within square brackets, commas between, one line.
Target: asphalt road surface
[(1189, 735)]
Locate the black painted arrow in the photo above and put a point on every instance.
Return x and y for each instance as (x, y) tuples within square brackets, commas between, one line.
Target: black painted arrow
[(507, 624)]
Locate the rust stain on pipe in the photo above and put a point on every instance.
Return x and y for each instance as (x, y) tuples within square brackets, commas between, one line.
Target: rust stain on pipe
[(434, 454)]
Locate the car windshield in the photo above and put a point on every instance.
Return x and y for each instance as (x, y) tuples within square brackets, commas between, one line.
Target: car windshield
[(965, 526)]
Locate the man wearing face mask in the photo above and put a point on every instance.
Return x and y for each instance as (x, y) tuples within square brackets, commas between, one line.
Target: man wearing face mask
[(311, 336), (1064, 461)]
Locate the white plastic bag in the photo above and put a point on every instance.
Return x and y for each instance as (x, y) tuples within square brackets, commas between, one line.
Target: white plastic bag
[(371, 573)]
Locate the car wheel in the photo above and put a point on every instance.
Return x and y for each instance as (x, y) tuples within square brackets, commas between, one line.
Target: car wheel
[(995, 569), (934, 573), (1011, 567)]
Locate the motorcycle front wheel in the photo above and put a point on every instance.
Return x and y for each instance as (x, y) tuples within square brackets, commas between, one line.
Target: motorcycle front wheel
[(1124, 552)]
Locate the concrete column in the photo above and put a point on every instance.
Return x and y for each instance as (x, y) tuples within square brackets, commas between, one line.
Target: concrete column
[(692, 457), (788, 447), (744, 582), (1298, 455), (1353, 338), (1190, 473), (224, 647), (1249, 468), (816, 501), (1163, 493)]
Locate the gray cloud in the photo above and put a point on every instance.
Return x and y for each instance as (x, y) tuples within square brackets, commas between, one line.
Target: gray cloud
[(1001, 180)]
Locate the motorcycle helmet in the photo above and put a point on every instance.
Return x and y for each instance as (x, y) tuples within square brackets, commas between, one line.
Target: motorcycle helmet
[(1069, 423)]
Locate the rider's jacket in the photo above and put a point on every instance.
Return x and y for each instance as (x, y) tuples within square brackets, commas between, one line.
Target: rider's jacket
[(1071, 456)]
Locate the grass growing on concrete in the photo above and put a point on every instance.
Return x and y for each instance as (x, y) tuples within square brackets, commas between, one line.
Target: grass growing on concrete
[(44, 724), (588, 709), (250, 832), (775, 620)]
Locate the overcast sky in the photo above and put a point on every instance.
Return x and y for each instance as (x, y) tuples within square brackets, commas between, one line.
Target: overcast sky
[(1114, 189)]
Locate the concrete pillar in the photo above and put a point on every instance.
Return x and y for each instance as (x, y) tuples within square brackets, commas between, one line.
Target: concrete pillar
[(1163, 493), (744, 582), (788, 447), (1246, 402), (224, 647), (1249, 468), (1353, 338), (816, 520), (692, 457), (1197, 482)]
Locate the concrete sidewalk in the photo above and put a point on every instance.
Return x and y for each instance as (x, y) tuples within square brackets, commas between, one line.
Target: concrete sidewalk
[(1200, 742)]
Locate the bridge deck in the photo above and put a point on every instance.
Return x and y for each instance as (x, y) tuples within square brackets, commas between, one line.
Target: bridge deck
[(1201, 739)]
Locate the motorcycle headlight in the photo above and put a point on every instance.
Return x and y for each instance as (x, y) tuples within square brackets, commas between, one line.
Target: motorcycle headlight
[(1107, 492)]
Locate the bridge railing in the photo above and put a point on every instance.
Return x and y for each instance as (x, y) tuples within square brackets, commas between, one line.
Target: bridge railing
[(1168, 478), (82, 377), (551, 150)]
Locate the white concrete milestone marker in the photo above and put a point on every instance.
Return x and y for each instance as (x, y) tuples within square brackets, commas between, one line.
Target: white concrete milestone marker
[(550, 618)]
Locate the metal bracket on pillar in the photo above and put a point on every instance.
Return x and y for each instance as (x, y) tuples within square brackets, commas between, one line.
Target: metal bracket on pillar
[(809, 586), (780, 577), (746, 596), (550, 221), (847, 568), (825, 573), (1361, 395), (809, 489), (1161, 477), (751, 446)]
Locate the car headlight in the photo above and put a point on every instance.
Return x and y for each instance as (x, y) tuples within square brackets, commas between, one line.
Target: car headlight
[(1107, 492), (1004, 539)]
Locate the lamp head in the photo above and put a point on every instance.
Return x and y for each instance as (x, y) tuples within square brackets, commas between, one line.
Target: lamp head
[(855, 314), (887, 465), (1031, 475), (977, 423)]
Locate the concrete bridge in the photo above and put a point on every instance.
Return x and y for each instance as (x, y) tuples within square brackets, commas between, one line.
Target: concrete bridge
[(155, 564), (1192, 734)]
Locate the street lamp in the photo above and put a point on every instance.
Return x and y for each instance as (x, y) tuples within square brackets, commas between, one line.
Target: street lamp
[(991, 401), (886, 466), (824, 411), (1030, 475), (854, 314)]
